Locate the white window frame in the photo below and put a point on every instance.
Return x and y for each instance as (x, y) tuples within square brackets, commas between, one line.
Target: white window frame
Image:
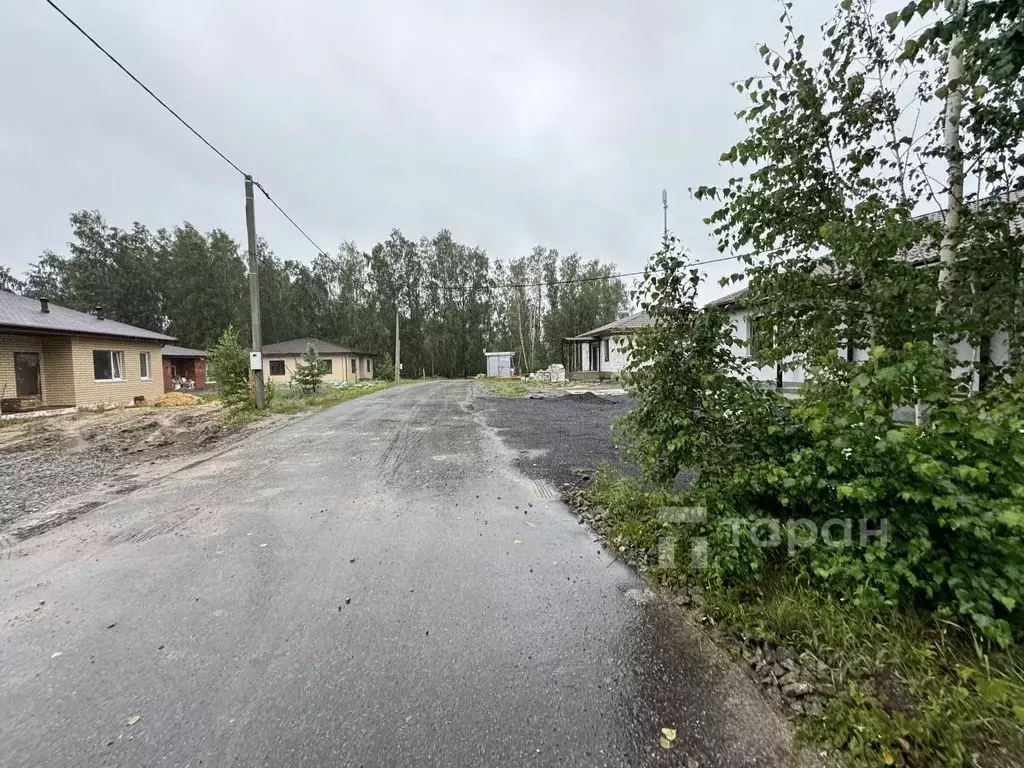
[(115, 354), (149, 369)]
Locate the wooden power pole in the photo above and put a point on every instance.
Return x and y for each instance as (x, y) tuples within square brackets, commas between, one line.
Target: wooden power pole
[(398, 364), (254, 297)]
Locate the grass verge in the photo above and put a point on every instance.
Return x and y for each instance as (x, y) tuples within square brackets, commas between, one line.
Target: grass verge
[(506, 387), (291, 401), (901, 689)]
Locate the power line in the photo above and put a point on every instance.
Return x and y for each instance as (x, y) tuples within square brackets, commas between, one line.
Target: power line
[(284, 213), (610, 277), (273, 202), (142, 85), (180, 119)]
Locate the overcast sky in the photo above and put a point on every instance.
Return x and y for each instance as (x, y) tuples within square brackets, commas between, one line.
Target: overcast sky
[(512, 123)]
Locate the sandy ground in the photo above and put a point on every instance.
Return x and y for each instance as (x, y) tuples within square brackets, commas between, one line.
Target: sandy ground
[(55, 468)]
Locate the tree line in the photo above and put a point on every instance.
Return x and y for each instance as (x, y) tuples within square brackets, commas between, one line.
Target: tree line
[(452, 300)]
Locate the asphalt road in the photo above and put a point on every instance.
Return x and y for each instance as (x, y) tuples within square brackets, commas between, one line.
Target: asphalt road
[(375, 585)]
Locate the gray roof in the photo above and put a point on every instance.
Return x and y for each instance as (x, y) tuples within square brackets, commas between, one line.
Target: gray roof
[(170, 350), (23, 313), (623, 324), (728, 300), (927, 251), (298, 346)]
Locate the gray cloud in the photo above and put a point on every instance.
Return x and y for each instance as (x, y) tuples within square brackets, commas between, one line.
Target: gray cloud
[(512, 124)]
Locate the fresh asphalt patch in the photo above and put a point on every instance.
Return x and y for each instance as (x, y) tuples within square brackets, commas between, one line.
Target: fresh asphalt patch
[(560, 439)]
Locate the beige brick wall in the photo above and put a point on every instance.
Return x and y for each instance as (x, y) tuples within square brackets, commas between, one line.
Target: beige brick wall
[(66, 371), (88, 391), (58, 373), (341, 368), (8, 346)]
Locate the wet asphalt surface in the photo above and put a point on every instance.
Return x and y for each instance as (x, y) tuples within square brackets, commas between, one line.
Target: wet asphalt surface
[(375, 585)]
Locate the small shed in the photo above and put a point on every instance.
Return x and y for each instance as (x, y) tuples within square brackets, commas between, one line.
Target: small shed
[(499, 364), (184, 368)]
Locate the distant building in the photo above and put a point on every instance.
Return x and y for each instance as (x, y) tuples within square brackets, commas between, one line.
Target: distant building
[(499, 364), (603, 352), (53, 357), (341, 363)]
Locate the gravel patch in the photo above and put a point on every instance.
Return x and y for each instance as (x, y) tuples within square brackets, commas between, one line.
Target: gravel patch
[(561, 439)]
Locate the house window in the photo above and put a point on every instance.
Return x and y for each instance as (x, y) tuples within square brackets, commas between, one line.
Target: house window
[(277, 367), (355, 362), (144, 366), (759, 335), (107, 365), (327, 366), (607, 350)]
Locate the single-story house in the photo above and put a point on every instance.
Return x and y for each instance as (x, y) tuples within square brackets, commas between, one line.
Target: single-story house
[(748, 333), (924, 255), (184, 368), (603, 352), (340, 363), (53, 357)]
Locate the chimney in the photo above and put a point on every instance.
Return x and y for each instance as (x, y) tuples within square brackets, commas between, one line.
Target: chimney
[(44, 305), (99, 312)]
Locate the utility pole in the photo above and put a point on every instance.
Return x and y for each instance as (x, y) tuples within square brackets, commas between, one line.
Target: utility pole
[(254, 296), (398, 364), (664, 207)]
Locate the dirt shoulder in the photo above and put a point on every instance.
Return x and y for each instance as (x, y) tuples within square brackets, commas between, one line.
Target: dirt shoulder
[(54, 468)]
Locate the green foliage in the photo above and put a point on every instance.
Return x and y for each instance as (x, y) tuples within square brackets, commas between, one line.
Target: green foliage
[(452, 300), (836, 172), (228, 365), (384, 368), (309, 371), (913, 436), (905, 690)]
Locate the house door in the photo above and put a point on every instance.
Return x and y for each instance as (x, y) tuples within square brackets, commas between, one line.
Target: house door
[(26, 374), (595, 356)]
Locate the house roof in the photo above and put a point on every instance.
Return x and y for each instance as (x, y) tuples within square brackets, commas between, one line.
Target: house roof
[(169, 350), (728, 300), (927, 251), (24, 313), (623, 324), (298, 346)]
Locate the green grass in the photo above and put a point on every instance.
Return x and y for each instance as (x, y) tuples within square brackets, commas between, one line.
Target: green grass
[(506, 387), (287, 400), (517, 387), (910, 689)]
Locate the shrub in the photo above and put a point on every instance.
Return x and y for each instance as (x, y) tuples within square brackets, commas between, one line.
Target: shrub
[(228, 363), (309, 371)]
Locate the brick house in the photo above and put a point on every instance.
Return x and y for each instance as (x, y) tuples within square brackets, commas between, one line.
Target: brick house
[(603, 352), (53, 357), (182, 363), (341, 363)]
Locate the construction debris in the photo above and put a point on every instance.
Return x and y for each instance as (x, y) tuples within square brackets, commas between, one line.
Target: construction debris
[(553, 374)]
